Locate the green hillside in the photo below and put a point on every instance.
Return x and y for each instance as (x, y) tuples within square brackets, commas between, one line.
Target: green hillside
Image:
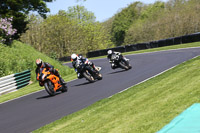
[(20, 57), (144, 108)]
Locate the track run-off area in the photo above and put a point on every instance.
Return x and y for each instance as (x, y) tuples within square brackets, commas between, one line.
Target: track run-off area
[(30, 112)]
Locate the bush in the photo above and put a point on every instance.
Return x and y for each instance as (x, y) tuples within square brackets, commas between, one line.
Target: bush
[(6, 30)]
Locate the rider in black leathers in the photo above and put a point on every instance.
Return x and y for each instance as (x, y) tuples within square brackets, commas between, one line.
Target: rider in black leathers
[(110, 53), (41, 65), (80, 59)]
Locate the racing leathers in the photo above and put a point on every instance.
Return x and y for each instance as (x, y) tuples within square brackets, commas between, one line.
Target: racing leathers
[(50, 68), (81, 59), (113, 65)]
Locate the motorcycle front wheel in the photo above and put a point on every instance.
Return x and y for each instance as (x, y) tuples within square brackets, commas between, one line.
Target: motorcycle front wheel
[(64, 88), (48, 85)]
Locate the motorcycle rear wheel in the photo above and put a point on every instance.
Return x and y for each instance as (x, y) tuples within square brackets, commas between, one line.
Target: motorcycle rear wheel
[(88, 77), (48, 85)]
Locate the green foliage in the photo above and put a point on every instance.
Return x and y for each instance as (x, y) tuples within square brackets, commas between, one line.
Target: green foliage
[(152, 11), (69, 32), (18, 9), (20, 57), (175, 18), (80, 14), (141, 30), (139, 22), (122, 22)]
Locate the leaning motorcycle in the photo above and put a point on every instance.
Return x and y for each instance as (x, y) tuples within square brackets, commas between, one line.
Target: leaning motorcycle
[(51, 82), (120, 62), (88, 71)]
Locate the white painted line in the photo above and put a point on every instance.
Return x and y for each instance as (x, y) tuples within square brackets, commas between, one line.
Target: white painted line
[(150, 77), (163, 51)]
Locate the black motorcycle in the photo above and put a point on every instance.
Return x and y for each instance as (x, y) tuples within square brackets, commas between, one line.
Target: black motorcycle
[(88, 72), (120, 62)]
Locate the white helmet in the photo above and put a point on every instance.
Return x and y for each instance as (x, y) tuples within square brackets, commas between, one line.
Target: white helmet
[(109, 52), (74, 57)]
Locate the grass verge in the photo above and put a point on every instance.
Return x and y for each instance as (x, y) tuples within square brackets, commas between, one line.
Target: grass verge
[(144, 108)]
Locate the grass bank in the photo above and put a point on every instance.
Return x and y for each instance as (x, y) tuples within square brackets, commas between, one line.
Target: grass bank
[(144, 108), (20, 57)]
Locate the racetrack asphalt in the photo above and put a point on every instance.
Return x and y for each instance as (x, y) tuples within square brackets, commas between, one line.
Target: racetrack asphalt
[(30, 112)]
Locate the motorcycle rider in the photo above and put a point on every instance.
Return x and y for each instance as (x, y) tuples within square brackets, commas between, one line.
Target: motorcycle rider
[(110, 53), (41, 65), (80, 59)]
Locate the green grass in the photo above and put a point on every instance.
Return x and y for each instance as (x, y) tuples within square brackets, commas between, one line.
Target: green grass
[(144, 108)]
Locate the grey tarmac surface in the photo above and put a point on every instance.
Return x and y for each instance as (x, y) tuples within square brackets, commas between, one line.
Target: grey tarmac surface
[(29, 113)]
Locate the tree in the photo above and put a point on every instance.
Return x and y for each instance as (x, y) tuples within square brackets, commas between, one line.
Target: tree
[(123, 21), (74, 31), (80, 14), (19, 9)]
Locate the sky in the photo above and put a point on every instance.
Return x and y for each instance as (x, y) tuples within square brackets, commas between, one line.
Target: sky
[(102, 9)]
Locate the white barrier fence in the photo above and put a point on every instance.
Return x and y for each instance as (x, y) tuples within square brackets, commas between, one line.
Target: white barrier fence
[(15, 81)]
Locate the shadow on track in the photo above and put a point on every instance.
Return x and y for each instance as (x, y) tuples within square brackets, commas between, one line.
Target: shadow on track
[(47, 96), (82, 84), (117, 71)]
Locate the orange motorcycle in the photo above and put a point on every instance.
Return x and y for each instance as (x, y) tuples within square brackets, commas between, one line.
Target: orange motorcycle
[(51, 82)]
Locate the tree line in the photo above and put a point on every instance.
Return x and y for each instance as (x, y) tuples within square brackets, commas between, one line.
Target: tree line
[(72, 31), (140, 22), (77, 31)]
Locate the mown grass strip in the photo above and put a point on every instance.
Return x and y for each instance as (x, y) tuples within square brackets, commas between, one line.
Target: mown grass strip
[(144, 108)]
